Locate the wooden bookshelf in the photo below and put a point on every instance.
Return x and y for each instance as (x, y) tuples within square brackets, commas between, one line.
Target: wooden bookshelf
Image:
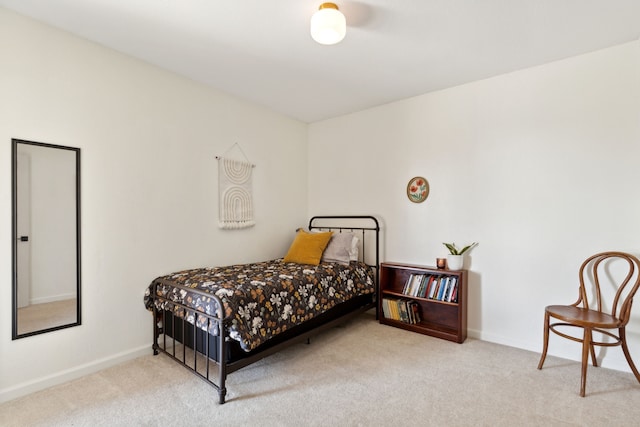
[(440, 315)]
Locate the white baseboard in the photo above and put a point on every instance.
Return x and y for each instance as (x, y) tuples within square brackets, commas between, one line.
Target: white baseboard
[(614, 360), (52, 298), (71, 374), (499, 339)]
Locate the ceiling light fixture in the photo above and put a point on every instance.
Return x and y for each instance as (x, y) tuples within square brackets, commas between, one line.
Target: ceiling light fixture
[(328, 24)]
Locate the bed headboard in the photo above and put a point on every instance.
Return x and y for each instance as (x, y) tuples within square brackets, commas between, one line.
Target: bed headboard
[(366, 227)]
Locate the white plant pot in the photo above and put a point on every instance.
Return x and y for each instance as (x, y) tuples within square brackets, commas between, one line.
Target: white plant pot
[(455, 262)]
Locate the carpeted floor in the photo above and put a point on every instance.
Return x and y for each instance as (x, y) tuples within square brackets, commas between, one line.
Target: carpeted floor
[(361, 374)]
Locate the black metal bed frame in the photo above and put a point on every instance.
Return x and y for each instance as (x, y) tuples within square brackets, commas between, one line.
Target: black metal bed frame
[(199, 358)]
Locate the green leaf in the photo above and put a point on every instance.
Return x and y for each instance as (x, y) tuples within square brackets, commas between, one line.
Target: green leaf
[(454, 251), (452, 248), (466, 248)]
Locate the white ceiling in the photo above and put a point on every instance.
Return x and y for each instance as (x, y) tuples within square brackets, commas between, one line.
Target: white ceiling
[(261, 50)]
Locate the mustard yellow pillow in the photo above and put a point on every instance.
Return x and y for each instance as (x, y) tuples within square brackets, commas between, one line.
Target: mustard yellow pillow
[(307, 248)]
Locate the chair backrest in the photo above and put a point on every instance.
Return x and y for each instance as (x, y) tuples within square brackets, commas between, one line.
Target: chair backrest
[(624, 278)]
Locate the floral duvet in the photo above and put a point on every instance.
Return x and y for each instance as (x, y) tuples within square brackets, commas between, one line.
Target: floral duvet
[(262, 299)]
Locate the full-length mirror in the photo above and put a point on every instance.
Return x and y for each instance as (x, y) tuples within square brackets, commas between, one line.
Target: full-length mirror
[(46, 237)]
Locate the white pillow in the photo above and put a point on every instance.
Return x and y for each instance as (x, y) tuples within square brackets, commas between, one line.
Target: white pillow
[(352, 247), (353, 250), (338, 249)]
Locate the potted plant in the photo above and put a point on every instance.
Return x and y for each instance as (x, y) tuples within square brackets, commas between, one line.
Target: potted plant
[(455, 259)]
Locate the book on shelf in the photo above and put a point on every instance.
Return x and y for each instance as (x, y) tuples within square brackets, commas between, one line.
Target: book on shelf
[(433, 287), (451, 297), (414, 284), (443, 286), (385, 308), (402, 310), (414, 312), (436, 286)]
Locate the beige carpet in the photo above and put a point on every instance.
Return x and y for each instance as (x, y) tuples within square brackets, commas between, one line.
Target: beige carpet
[(362, 374)]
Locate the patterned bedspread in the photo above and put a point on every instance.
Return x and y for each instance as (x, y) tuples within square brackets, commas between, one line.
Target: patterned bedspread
[(263, 299)]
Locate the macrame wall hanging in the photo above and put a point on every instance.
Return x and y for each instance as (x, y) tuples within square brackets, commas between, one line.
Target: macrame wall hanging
[(235, 192)]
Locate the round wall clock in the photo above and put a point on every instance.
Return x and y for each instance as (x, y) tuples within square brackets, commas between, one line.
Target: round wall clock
[(418, 189)]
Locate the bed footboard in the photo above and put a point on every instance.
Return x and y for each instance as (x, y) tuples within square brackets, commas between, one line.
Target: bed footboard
[(188, 347), (212, 357)]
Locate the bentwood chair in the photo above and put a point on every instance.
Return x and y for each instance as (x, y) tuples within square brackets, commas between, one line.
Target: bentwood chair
[(592, 314)]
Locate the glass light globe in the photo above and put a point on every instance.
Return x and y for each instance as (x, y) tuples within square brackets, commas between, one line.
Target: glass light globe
[(328, 25)]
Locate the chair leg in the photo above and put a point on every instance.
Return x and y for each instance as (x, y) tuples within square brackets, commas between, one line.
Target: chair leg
[(586, 349), (627, 355), (545, 340), (594, 361)]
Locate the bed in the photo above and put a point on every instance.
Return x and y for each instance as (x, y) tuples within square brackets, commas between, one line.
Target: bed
[(216, 320)]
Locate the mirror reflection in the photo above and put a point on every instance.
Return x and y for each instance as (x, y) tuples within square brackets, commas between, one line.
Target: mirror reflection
[(46, 237)]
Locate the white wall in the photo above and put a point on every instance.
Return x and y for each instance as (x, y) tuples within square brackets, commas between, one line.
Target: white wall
[(539, 166), (148, 143)]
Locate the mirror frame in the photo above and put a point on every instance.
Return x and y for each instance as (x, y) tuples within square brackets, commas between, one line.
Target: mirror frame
[(14, 233)]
